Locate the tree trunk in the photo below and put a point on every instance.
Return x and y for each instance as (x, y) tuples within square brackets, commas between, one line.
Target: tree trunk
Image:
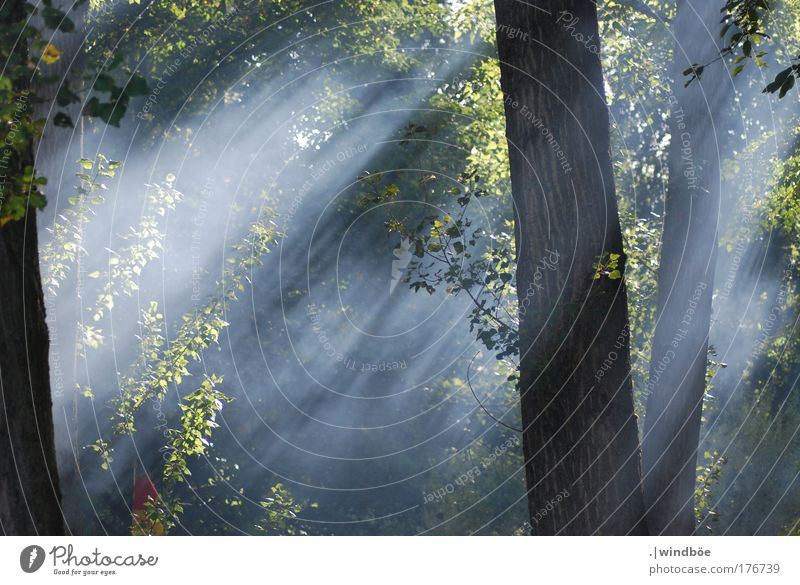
[(580, 438), (57, 153), (29, 489), (686, 275), (29, 492)]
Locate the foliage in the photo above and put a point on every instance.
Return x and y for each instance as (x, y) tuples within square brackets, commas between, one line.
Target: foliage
[(280, 512), (145, 246), (744, 29), (27, 56), (448, 253), (65, 245), (158, 365), (708, 476), (198, 421), (607, 266), (104, 451)]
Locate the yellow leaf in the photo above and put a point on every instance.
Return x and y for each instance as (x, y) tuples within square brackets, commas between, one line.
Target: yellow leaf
[(50, 54)]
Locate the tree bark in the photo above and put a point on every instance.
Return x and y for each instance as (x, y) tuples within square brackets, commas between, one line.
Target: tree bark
[(29, 489), (581, 447), (686, 275)]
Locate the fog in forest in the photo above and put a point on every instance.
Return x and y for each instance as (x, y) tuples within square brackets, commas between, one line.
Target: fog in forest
[(373, 404)]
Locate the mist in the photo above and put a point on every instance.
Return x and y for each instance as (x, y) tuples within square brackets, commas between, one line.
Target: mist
[(374, 405), (347, 387)]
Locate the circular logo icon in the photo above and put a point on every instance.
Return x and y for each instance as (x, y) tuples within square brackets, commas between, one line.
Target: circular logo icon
[(31, 558)]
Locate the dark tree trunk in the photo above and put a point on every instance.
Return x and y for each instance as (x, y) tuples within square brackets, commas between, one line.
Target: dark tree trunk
[(29, 490), (686, 275), (580, 439)]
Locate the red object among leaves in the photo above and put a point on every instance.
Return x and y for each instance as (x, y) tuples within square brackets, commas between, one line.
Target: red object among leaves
[(143, 491)]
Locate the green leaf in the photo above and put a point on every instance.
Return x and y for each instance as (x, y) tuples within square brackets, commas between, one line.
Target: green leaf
[(62, 120), (136, 86), (104, 83), (786, 86), (65, 96)]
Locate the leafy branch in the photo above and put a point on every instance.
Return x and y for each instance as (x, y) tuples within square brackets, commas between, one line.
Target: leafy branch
[(65, 246), (744, 29), (199, 330)]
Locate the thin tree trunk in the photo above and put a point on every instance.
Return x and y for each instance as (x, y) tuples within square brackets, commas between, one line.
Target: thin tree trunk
[(29, 489), (686, 276), (57, 153), (580, 438)]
